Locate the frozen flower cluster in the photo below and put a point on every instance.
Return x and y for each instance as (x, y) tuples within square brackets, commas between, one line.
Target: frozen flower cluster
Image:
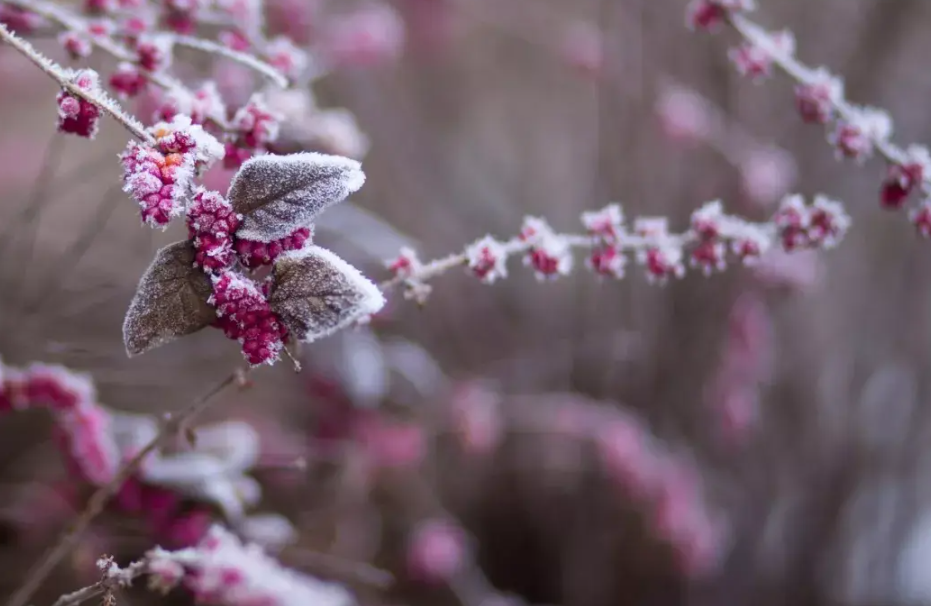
[(160, 178), (266, 219), (176, 495), (221, 569), (670, 488), (82, 425), (712, 238), (855, 132)]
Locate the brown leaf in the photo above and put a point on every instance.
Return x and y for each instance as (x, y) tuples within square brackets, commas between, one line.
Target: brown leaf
[(170, 302), (316, 293), (279, 194)]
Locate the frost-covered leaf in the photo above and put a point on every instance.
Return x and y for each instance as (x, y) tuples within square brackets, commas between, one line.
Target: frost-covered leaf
[(278, 194), (170, 302), (316, 293)]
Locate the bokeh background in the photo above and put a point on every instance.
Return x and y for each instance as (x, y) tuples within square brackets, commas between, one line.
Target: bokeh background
[(813, 457)]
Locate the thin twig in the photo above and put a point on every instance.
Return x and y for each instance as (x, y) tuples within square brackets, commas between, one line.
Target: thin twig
[(211, 47), (75, 23), (176, 422), (98, 97), (802, 74)]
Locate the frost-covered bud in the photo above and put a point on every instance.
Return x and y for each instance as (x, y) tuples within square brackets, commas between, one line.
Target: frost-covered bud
[(181, 15), (817, 99), (437, 550), (856, 137), (550, 256), (210, 213), (534, 228), (255, 123), (405, 265), (608, 261), (183, 137), (709, 15), (487, 259), (921, 218), (755, 59), (851, 141), (132, 27), (235, 156), (246, 316), (901, 179), (828, 222), (792, 219), (77, 45), (287, 58), (606, 224), (255, 254), (708, 255), (750, 243), (99, 7), (707, 220), (662, 261), (153, 52), (651, 227), (158, 182), (235, 297), (76, 115), (101, 28), (213, 252), (127, 80)]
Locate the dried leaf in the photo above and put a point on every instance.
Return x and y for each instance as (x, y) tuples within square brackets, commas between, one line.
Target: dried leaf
[(279, 194), (170, 302), (316, 293)]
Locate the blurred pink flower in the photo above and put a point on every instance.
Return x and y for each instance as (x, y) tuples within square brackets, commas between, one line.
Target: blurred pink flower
[(767, 174), (581, 49), (685, 115), (436, 551), (368, 36), (476, 417)]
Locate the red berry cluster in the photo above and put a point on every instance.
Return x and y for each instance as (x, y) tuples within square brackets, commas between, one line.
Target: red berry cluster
[(245, 315), (76, 115)]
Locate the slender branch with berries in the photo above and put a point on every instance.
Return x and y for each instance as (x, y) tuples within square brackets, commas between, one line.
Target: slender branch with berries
[(856, 132), (711, 237)]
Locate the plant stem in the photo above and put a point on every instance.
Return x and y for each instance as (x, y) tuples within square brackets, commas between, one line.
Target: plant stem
[(106, 105)]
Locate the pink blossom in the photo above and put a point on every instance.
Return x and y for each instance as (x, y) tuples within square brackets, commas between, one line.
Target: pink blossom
[(368, 36), (436, 551)]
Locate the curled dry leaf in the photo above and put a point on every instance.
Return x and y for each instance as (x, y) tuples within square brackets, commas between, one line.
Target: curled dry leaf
[(170, 302), (279, 194), (316, 293)]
